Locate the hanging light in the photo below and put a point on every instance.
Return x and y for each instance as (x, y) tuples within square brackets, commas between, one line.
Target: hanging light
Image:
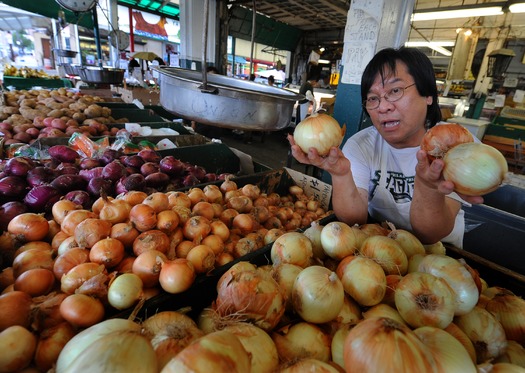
[(499, 61)]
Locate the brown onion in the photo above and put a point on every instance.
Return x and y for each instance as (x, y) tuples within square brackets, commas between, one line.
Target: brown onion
[(440, 138), (82, 310), (177, 275)]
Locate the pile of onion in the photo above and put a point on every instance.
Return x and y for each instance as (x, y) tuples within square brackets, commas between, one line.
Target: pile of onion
[(474, 168), (319, 131)]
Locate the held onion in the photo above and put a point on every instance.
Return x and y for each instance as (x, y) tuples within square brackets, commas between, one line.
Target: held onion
[(474, 168), (442, 137), (320, 131)]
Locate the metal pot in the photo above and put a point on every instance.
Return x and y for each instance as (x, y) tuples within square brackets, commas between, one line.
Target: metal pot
[(225, 102), (101, 75)]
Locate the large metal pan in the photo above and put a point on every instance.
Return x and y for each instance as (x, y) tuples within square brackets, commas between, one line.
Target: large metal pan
[(101, 75), (224, 101)]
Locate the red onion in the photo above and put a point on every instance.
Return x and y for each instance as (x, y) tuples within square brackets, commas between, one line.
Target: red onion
[(110, 155), (190, 180), (157, 180), (149, 155), (197, 171), (9, 210), (90, 174), (63, 153), (89, 163), (80, 197), (113, 171), (39, 175), (97, 184), (41, 198), (18, 166), (12, 186), (133, 161), (210, 176), (69, 182), (149, 168), (171, 165), (133, 182)]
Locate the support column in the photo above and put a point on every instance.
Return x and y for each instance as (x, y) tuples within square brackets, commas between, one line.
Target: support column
[(191, 29)]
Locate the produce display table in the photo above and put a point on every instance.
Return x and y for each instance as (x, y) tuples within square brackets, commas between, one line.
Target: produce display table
[(28, 83)]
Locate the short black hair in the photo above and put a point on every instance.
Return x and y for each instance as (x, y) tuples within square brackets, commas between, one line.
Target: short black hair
[(271, 78), (419, 67)]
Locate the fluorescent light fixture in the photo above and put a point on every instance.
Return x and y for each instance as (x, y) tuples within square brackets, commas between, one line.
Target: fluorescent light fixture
[(323, 61), (517, 8), (444, 43), (321, 49), (438, 46), (463, 12)]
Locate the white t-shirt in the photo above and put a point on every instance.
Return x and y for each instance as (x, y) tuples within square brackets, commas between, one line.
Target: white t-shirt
[(389, 197)]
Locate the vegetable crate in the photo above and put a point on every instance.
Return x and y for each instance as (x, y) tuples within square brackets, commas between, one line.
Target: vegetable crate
[(203, 290)]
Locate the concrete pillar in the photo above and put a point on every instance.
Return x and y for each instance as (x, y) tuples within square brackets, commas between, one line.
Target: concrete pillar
[(461, 60), (191, 33)]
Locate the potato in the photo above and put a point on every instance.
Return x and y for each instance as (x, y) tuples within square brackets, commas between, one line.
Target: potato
[(78, 106), (56, 113), (79, 117), (29, 113), (29, 102), (11, 110), (93, 111)]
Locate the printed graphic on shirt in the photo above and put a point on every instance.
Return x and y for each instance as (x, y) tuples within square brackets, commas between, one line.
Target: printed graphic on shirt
[(401, 187)]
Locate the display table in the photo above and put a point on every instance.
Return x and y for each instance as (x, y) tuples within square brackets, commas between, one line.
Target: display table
[(28, 83)]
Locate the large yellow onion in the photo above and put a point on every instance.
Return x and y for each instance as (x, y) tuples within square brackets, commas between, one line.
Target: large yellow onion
[(475, 168), (381, 344), (169, 333), (509, 309), (317, 294), (338, 239), (110, 346), (219, 351), (251, 295), (259, 344), (485, 332), (457, 276), (319, 131), (423, 299), (450, 354), (302, 340)]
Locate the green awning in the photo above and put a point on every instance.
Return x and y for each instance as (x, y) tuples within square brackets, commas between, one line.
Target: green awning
[(50, 9)]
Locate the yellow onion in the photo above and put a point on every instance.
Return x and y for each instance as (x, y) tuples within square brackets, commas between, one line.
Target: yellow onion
[(285, 275), (302, 340), (383, 310), (381, 344), (425, 300), (339, 240), (457, 276), (258, 344), (250, 295), (505, 368), (292, 247), (313, 232), (338, 342), (410, 244), (485, 332), (317, 294), (114, 343), (320, 131), (509, 309), (387, 252), (475, 168), (18, 346), (308, 365), (460, 335), (514, 354), (218, 351), (170, 332), (125, 290), (449, 353), (363, 279)]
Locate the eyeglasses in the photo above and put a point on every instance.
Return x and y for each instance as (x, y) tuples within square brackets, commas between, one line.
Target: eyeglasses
[(393, 95)]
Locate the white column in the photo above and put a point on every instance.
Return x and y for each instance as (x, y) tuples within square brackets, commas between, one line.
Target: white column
[(191, 29)]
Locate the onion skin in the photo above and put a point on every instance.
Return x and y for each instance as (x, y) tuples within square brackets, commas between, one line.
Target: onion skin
[(219, 351), (475, 169), (319, 131)]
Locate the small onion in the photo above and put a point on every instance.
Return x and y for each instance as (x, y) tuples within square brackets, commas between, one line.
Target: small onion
[(124, 291), (442, 137), (18, 346), (475, 168), (320, 131)]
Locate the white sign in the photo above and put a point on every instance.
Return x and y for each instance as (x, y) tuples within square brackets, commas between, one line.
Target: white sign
[(361, 33)]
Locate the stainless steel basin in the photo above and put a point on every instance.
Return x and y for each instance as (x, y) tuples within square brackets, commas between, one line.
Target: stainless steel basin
[(225, 102)]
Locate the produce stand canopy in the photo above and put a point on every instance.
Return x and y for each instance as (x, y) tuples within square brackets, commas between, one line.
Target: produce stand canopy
[(50, 9)]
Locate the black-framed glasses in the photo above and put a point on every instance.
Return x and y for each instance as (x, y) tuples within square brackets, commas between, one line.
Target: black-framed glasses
[(393, 95)]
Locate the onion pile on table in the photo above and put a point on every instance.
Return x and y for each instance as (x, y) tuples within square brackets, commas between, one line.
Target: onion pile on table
[(70, 269)]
